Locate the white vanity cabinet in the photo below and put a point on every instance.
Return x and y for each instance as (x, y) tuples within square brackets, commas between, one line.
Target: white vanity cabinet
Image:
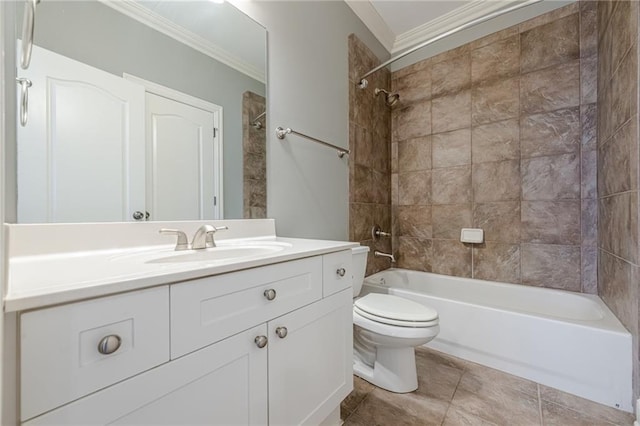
[(269, 345)]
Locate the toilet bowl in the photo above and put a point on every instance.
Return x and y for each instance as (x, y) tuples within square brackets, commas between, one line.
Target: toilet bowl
[(386, 329)]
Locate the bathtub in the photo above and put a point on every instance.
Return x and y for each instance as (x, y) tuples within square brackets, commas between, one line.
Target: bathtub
[(568, 341)]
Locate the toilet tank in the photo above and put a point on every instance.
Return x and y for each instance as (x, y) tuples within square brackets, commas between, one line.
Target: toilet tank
[(359, 267)]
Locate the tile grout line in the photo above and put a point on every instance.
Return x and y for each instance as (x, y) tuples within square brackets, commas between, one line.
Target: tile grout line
[(539, 405)]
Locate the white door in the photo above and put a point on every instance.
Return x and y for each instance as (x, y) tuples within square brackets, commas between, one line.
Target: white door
[(311, 367), (181, 181), (81, 154)]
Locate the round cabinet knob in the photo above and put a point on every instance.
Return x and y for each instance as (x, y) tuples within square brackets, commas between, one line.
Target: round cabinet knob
[(261, 341), (270, 294), (281, 332), (138, 215), (341, 272), (109, 344)]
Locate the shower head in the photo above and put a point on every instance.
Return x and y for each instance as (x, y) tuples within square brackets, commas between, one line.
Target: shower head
[(390, 98)]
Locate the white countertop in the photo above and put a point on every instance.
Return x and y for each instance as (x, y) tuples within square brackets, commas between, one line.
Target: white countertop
[(47, 277)]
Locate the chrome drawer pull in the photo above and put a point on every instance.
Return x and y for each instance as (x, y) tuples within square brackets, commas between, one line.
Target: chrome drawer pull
[(109, 344), (270, 294), (281, 332), (341, 272), (261, 341)]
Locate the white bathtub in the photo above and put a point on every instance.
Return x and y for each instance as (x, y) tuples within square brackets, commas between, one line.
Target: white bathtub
[(564, 340)]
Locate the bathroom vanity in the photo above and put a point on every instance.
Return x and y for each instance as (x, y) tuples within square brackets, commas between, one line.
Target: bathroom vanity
[(139, 334)]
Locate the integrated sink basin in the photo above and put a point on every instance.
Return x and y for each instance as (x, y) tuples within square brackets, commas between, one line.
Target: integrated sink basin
[(219, 253)]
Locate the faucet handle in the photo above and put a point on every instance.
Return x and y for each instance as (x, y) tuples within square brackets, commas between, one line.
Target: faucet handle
[(182, 243), (209, 241)]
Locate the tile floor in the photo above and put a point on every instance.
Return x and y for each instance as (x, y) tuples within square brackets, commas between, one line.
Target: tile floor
[(452, 391)]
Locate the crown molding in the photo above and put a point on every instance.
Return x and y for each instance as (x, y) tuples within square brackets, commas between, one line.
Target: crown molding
[(145, 16), (475, 9), (372, 19)]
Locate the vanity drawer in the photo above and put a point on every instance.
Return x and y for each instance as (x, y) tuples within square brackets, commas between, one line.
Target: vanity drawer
[(59, 346), (337, 272), (207, 310)]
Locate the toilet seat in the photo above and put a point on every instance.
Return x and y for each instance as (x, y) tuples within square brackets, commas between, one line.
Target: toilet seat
[(395, 311)]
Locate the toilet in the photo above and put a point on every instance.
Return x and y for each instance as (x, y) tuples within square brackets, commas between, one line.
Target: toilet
[(386, 329)]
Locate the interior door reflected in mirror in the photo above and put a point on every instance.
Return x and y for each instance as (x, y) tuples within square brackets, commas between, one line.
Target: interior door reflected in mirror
[(143, 110)]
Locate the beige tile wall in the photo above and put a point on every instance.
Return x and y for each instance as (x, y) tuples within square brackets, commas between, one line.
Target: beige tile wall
[(617, 158), (254, 157), (369, 162), (500, 134)]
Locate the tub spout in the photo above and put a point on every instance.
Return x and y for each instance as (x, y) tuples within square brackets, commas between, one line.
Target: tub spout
[(380, 254)]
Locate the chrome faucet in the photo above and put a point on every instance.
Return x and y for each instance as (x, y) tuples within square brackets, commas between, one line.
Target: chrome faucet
[(380, 254), (182, 243), (203, 237)]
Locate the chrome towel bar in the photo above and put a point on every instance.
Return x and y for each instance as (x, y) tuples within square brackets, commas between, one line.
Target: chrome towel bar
[(281, 133)]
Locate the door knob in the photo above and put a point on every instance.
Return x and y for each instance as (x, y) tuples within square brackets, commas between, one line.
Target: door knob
[(138, 215), (281, 332)]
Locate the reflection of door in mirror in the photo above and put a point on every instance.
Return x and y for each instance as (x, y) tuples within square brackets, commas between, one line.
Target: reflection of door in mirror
[(184, 161), (81, 156), (254, 150)]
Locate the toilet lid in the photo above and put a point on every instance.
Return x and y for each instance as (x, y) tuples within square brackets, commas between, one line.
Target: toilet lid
[(395, 308)]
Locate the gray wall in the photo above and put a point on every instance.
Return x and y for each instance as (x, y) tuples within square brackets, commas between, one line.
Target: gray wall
[(97, 35), (307, 184)]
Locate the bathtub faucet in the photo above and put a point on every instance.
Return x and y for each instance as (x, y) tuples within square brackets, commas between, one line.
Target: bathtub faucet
[(380, 254)]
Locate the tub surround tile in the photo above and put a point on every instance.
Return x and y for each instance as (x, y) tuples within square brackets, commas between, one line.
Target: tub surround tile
[(414, 87), (550, 44), (451, 75), (413, 221), (414, 188), (414, 253), (494, 37), (621, 95), (495, 101), (588, 28), (617, 174), (451, 148), (496, 141), (552, 133), (451, 185), (555, 266), (449, 219), (411, 121), (451, 257), (551, 88), (499, 220), (551, 222), (618, 225), (589, 265), (451, 112), (616, 288), (395, 190), (497, 262), (550, 16), (588, 119), (589, 222), (394, 157), (422, 66), (597, 412), (499, 181), (496, 60), (414, 154), (551, 178), (589, 79), (588, 174), (361, 216), (623, 37)]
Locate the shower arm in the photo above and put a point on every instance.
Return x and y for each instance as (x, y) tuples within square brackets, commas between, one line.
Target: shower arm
[(363, 81)]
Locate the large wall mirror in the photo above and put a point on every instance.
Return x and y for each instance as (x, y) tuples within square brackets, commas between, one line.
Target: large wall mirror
[(141, 110)]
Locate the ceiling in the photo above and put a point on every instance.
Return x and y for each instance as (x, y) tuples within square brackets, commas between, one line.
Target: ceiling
[(399, 24)]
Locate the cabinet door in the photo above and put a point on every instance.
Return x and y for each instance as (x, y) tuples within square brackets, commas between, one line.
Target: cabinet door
[(310, 369), (222, 384)]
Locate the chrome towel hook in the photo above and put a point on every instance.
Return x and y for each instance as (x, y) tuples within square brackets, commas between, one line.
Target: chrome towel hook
[(24, 83), (28, 27)]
